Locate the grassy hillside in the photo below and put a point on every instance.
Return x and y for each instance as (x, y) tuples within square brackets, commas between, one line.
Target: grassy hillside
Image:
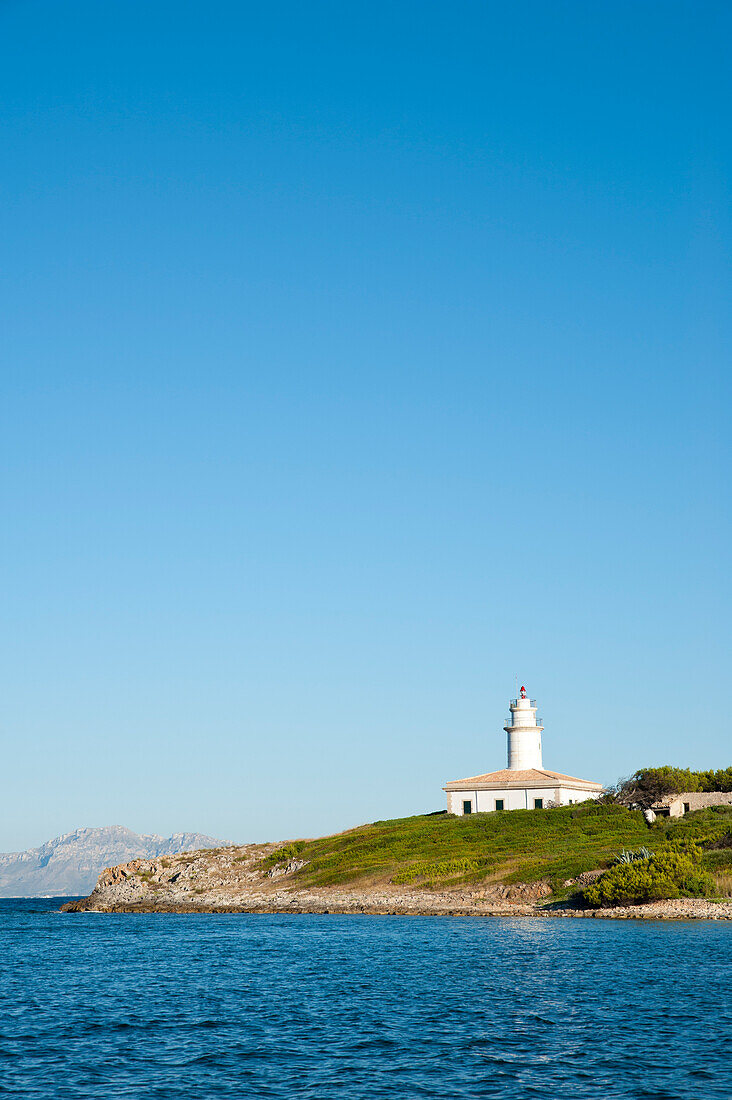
[(519, 846)]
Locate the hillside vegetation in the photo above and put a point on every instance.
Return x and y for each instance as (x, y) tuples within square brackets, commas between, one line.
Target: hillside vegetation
[(553, 845)]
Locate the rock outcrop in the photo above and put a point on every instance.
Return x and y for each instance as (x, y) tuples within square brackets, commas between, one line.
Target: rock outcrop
[(235, 879)]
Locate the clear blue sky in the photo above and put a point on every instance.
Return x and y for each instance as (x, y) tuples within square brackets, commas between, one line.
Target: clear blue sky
[(355, 360)]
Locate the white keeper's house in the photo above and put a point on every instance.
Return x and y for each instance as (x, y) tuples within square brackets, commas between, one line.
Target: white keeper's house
[(525, 784)]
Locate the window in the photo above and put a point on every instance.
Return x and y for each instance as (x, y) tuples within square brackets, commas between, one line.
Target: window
[(499, 803), (467, 807), (538, 803)]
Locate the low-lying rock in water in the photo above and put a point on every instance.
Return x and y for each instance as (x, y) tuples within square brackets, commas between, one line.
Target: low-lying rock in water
[(671, 909)]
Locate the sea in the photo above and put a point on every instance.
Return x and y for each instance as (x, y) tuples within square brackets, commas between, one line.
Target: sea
[(225, 1006)]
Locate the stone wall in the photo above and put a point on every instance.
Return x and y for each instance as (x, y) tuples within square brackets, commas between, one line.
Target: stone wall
[(698, 800)]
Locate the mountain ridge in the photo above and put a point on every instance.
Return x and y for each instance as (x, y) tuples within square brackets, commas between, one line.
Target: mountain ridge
[(68, 865)]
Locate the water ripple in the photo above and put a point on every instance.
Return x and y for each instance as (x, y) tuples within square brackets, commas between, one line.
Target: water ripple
[(368, 1008)]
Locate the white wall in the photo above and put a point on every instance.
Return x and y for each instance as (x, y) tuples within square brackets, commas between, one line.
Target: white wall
[(521, 799), (524, 748)]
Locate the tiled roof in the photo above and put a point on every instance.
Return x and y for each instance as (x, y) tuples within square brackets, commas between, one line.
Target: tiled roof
[(509, 778)]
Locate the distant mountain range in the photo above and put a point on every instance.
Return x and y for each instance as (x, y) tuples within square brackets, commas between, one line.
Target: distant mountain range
[(69, 865)]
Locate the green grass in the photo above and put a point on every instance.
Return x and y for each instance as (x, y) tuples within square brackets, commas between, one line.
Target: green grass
[(518, 846), (457, 870), (724, 885)]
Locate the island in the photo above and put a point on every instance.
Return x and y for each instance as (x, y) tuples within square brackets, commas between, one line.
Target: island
[(596, 858)]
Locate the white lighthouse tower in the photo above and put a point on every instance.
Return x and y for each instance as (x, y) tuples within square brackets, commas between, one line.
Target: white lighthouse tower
[(524, 734), (525, 784)]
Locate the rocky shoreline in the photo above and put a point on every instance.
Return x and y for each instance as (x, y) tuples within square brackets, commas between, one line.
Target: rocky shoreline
[(378, 904), (233, 880)]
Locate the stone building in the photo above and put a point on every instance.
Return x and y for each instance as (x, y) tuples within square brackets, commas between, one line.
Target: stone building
[(525, 784), (676, 805)]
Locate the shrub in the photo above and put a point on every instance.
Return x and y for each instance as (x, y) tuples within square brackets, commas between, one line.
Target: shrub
[(670, 874), (285, 854), (724, 841)]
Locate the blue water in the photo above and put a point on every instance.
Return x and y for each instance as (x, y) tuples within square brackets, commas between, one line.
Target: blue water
[(210, 1007)]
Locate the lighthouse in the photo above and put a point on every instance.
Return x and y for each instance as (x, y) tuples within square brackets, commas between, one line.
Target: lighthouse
[(525, 784), (524, 734)]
